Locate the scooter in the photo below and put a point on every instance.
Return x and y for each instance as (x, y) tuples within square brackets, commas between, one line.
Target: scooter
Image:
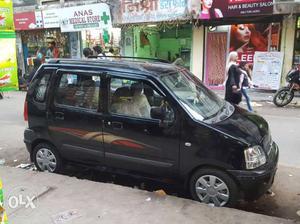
[(286, 94)]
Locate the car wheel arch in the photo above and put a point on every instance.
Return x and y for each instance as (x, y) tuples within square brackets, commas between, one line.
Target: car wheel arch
[(40, 141)]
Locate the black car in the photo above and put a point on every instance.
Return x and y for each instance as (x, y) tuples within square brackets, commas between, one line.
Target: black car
[(150, 118)]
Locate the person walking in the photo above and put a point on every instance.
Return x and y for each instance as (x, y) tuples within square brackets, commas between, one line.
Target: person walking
[(245, 83), (233, 73)]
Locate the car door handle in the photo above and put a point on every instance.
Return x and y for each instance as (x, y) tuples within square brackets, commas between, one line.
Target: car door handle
[(117, 125), (59, 115)]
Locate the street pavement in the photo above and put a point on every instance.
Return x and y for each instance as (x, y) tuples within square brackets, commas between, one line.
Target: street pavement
[(283, 202), (61, 199)]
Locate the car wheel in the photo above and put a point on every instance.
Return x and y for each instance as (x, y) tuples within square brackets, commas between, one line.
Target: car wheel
[(46, 158), (213, 187)]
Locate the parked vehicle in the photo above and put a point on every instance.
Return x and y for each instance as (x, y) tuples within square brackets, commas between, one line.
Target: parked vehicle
[(286, 94), (151, 119)]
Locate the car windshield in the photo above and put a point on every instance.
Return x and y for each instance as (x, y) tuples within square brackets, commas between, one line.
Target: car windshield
[(199, 101)]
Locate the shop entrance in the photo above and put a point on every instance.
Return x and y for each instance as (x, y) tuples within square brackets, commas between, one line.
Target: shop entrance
[(215, 62)]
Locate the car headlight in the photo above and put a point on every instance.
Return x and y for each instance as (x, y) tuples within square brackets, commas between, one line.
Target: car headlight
[(254, 157)]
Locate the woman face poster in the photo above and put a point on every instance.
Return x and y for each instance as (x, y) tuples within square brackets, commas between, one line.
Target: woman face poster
[(204, 9), (248, 38)]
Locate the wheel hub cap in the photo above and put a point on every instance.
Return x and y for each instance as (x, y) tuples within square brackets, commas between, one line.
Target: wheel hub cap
[(46, 160), (212, 190)]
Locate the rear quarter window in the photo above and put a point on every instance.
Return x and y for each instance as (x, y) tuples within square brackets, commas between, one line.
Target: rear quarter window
[(41, 87)]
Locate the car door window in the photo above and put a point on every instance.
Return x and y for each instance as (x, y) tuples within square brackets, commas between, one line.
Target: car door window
[(78, 90), (136, 99)]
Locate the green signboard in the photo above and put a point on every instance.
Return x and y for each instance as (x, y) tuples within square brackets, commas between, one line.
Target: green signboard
[(8, 59), (8, 62), (6, 15)]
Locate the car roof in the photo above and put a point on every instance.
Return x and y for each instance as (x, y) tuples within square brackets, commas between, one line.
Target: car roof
[(143, 67)]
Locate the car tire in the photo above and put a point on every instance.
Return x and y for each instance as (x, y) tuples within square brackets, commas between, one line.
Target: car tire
[(46, 158), (214, 187)]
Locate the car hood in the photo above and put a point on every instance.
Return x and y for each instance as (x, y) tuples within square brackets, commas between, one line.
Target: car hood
[(245, 126)]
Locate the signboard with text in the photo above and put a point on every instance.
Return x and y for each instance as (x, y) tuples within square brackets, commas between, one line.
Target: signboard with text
[(85, 17), (267, 69), (6, 15), (8, 62), (209, 10), (151, 11), (51, 18), (28, 20)]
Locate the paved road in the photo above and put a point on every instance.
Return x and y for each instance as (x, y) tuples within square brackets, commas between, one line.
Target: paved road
[(284, 124), (12, 125)]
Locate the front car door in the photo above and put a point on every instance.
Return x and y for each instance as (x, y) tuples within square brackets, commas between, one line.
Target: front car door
[(133, 140), (75, 117)]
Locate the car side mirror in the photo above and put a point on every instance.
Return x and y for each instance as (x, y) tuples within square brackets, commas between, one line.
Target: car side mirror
[(157, 113)]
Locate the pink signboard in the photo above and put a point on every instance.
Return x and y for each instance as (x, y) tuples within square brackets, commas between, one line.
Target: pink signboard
[(216, 9)]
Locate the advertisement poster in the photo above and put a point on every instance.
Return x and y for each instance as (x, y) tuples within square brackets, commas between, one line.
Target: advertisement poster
[(6, 15), (267, 69), (246, 39), (8, 62), (216, 9), (85, 17), (28, 20), (151, 11)]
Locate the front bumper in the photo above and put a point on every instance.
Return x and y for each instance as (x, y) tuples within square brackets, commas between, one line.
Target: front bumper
[(254, 183)]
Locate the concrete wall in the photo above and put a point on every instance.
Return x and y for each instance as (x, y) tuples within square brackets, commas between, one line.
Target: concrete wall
[(197, 52), (287, 43)]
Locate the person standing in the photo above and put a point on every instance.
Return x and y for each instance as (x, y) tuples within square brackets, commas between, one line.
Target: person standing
[(233, 73), (87, 52), (245, 83), (53, 51), (99, 51)]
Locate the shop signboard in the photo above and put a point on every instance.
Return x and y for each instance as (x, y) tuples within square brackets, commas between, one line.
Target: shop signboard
[(267, 69), (85, 17), (8, 62), (28, 20), (6, 15), (51, 18), (151, 11), (215, 9)]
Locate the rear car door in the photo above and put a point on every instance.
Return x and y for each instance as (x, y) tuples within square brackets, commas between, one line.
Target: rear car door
[(133, 140), (75, 117)]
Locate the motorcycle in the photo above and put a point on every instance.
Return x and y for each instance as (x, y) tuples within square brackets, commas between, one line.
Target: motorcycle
[(286, 94)]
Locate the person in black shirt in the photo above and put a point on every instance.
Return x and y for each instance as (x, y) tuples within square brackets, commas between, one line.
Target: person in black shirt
[(232, 91)]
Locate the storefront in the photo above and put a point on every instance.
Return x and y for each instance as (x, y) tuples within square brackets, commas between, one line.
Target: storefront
[(33, 36), (156, 29), (8, 60), (93, 22), (242, 26), (246, 39)]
